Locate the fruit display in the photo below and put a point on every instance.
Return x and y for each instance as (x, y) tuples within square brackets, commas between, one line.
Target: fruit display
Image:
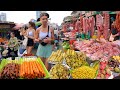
[(83, 72), (59, 71), (104, 71), (74, 59), (117, 58), (114, 64), (56, 57), (31, 70), (98, 50), (10, 71)]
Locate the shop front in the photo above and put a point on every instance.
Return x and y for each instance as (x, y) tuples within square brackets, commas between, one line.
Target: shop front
[(5, 28)]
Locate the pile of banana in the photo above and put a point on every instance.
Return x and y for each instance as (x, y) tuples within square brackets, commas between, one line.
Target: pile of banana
[(56, 57), (59, 71), (75, 59)]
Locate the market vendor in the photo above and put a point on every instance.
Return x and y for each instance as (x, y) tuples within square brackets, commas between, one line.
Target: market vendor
[(115, 34), (13, 45), (45, 36), (64, 29)]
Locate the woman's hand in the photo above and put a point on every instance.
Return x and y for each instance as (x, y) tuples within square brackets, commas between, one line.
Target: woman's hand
[(46, 41), (11, 46), (37, 40), (115, 35), (49, 39)]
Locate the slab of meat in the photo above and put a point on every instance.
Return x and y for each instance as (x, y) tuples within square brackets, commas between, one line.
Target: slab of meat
[(106, 25), (92, 25), (98, 50), (99, 24)]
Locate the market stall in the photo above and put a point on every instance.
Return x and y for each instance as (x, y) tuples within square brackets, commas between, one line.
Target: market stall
[(76, 65), (86, 53), (97, 51)]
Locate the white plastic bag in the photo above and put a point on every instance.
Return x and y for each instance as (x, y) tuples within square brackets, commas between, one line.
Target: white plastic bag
[(111, 38), (25, 41)]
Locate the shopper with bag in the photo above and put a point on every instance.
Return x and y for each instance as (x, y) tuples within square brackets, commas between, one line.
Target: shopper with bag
[(23, 45), (44, 35)]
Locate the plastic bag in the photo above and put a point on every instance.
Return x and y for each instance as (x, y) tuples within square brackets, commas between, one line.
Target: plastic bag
[(22, 49), (25, 42)]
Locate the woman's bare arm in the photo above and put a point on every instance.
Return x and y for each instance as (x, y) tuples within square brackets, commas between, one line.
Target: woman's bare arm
[(52, 34), (37, 39)]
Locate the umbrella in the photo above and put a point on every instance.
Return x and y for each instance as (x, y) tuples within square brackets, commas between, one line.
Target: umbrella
[(37, 23), (18, 26)]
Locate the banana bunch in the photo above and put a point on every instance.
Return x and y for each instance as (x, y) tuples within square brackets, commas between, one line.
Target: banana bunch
[(56, 57), (117, 58), (82, 56), (74, 59), (70, 53), (59, 71), (84, 72)]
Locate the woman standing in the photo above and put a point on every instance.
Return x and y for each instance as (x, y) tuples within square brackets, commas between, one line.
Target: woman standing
[(30, 34), (44, 35)]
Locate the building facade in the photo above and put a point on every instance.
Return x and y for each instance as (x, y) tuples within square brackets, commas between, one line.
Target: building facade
[(38, 14), (3, 17)]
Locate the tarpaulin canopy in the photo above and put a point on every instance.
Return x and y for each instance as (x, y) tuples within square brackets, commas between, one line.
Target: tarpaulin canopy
[(18, 26), (37, 23), (112, 12)]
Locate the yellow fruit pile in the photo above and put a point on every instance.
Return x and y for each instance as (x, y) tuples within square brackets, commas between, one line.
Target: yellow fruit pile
[(117, 58), (75, 59), (84, 72), (56, 57), (59, 72)]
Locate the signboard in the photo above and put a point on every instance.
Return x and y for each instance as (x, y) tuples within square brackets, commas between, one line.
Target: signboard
[(4, 26), (4, 30)]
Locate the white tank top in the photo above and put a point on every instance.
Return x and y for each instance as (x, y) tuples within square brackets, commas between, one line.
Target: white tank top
[(44, 34), (30, 33)]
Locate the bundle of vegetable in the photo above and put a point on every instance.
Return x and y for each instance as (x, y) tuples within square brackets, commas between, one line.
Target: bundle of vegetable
[(10, 71), (84, 72), (59, 71), (31, 70), (66, 45)]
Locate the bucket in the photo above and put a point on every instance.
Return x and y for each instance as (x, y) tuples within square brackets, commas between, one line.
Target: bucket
[(83, 36)]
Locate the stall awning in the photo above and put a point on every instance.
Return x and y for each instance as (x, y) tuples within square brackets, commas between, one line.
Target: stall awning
[(18, 26), (112, 12)]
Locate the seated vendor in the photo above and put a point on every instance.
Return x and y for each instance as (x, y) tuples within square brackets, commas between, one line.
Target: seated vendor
[(13, 44)]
